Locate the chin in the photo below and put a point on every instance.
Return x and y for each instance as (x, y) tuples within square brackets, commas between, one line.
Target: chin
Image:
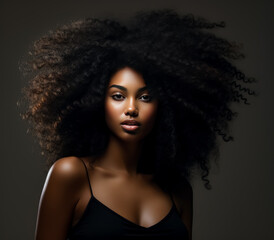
[(129, 136)]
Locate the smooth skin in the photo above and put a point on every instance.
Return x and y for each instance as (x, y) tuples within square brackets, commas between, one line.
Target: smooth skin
[(113, 176)]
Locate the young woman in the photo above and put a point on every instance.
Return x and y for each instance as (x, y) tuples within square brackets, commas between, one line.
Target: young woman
[(124, 114)]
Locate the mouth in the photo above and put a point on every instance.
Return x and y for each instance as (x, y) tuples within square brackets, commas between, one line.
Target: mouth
[(130, 127)]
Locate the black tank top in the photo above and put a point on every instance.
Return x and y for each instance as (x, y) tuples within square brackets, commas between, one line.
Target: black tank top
[(100, 222)]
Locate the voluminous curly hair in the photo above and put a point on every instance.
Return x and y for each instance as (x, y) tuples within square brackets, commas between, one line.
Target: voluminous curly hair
[(187, 67)]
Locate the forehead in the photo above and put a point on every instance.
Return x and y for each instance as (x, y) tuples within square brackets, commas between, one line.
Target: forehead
[(128, 78)]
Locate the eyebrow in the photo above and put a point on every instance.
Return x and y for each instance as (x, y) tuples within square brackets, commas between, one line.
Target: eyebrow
[(124, 89)]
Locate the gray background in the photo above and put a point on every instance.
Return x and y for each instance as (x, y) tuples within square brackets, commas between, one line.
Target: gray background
[(240, 205)]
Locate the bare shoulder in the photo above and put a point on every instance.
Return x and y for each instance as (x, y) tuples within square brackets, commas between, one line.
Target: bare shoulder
[(60, 194), (68, 167), (186, 189), (183, 191), (184, 198), (183, 195), (67, 171)]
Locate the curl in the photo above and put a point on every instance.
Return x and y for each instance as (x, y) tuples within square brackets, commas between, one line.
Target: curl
[(186, 66)]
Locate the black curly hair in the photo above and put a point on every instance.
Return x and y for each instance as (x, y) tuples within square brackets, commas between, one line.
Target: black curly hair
[(187, 67)]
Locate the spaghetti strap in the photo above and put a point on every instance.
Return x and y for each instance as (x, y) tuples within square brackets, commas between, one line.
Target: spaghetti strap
[(87, 176)]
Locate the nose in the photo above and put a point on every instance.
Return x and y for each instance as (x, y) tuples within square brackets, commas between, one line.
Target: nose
[(131, 108)]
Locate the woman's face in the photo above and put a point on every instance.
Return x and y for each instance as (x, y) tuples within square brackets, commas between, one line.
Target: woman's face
[(128, 99)]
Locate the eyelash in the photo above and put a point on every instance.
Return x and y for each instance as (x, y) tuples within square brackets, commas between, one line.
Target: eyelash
[(113, 96)]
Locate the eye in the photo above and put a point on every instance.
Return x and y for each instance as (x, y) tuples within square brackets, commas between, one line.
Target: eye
[(146, 98), (118, 97)]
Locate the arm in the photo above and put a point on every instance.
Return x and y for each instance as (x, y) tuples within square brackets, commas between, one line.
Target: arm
[(187, 209), (185, 199), (58, 199)]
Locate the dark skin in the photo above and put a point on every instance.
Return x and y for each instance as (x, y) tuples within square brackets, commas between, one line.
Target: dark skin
[(114, 179)]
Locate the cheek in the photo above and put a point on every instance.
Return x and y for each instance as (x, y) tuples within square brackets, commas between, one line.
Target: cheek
[(149, 115), (112, 112)]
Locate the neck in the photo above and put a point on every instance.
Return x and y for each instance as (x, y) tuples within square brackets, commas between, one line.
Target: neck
[(121, 157)]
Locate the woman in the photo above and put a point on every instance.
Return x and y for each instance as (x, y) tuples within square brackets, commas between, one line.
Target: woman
[(125, 113)]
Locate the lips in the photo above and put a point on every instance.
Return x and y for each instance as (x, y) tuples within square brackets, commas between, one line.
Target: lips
[(130, 122), (130, 125)]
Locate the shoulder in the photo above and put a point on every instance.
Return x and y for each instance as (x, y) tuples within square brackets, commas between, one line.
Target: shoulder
[(183, 190), (67, 171), (183, 194), (61, 192), (68, 166), (184, 198), (186, 189)]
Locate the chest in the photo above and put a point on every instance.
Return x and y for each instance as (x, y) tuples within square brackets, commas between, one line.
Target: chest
[(137, 201)]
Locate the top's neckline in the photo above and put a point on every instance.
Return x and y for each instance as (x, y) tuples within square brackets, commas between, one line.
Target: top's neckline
[(123, 218), (132, 223)]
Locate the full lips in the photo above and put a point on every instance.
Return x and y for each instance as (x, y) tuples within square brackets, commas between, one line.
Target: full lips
[(129, 127)]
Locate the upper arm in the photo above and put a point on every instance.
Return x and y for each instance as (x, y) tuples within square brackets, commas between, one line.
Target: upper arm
[(58, 199), (185, 196)]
